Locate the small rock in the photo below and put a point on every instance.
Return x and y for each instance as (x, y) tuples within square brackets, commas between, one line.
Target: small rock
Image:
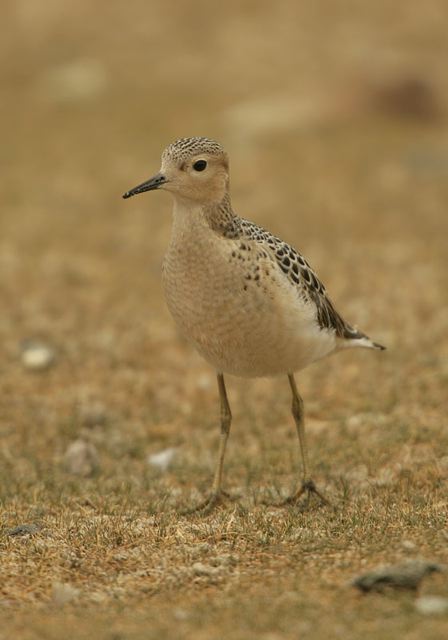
[(408, 545), (431, 605), (62, 593), (24, 530), (81, 458), (163, 459), (407, 575), (201, 569), (37, 356)]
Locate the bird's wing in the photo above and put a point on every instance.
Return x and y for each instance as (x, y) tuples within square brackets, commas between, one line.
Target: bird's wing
[(302, 277)]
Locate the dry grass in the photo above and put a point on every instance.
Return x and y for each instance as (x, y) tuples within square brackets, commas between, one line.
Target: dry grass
[(328, 153)]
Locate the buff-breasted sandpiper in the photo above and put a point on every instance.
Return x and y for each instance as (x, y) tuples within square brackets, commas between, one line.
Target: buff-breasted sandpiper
[(249, 302)]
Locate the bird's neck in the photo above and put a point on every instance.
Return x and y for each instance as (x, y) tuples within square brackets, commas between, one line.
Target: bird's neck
[(194, 218), (220, 216)]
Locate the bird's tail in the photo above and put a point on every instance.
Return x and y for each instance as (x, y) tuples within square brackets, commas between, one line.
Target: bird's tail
[(355, 338), (366, 343)]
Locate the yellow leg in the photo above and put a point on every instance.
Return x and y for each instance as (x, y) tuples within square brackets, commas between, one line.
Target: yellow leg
[(216, 496), (298, 414), (226, 421)]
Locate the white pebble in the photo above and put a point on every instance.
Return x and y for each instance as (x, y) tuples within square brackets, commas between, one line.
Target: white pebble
[(162, 459), (408, 545), (431, 605), (37, 356)]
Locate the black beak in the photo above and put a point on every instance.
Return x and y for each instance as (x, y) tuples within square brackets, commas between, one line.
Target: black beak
[(153, 183)]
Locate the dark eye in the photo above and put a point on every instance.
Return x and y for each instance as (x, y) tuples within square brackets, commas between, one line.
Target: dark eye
[(199, 165)]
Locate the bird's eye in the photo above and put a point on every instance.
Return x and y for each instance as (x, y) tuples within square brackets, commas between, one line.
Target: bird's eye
[(199, 165)]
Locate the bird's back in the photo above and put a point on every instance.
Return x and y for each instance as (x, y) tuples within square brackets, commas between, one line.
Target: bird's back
[(302, 278)]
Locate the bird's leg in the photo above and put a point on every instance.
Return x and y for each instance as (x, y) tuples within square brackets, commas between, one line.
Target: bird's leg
[(307, 485), (217, 495)]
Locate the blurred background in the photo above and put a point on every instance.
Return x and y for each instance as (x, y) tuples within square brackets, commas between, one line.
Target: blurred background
[(335, 118)]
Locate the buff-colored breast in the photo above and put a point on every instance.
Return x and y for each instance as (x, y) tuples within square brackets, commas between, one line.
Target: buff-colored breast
[(236, 306)]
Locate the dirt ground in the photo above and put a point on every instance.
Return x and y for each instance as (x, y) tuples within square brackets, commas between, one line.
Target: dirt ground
[(335, 117)]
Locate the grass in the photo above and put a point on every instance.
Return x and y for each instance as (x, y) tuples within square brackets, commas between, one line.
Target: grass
[(356, 183)]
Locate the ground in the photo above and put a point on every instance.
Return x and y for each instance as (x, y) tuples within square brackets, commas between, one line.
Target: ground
[(335, 120)]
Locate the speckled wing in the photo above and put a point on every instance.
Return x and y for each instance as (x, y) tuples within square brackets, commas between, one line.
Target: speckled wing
[(302, 276)]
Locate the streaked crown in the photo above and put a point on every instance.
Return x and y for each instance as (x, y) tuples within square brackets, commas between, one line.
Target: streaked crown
[(185, 148)]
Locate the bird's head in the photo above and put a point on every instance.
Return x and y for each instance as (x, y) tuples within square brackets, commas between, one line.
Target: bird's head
[(194, 169)]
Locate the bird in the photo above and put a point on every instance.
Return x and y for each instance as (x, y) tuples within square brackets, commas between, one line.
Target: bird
[(249, 302)]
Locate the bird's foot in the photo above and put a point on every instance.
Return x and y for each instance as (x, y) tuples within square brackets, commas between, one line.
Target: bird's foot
[(307, 488), (215, 499)]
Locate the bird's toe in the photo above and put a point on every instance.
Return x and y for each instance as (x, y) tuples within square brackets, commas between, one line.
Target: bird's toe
[(214, 500)]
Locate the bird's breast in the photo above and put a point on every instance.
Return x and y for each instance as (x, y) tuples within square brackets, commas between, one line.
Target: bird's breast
[(241, 314)]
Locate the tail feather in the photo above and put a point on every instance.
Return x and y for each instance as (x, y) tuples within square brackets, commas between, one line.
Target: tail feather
[(354, 338)]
